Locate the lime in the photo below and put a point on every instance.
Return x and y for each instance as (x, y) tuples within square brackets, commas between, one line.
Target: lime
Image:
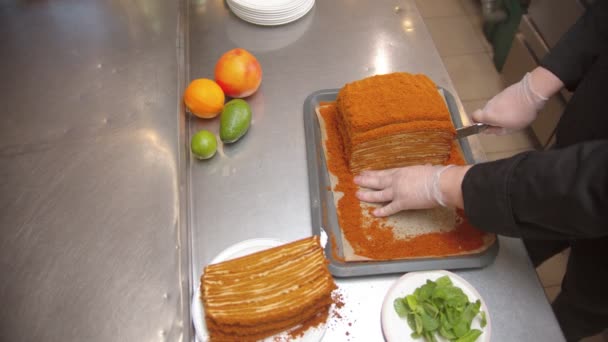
[(234, 120), (203, 144)]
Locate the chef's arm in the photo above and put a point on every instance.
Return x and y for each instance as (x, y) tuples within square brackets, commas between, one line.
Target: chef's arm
[(578, 48), (562, 193)]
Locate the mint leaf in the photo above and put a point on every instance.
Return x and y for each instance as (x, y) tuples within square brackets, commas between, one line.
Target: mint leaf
[(418, 321), (401, 307), (444, 281), (471, 310), (461, 328), (431, 309), (430, 337), (425, 291), (471, 336), (484, 322), (411, 321), (443, 320), (428, 322), (453, 316), (443, 331), (412, 302)]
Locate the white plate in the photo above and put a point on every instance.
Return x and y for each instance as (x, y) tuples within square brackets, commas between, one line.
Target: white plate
[(261, 19), (396, 328), (238, 250), (283, 11), (267, 5), (240, 33)]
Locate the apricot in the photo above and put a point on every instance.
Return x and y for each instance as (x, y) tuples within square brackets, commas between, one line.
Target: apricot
[(238, 73)]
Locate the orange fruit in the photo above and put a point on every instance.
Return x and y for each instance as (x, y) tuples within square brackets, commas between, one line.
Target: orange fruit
[(238, 73), (204, 98)]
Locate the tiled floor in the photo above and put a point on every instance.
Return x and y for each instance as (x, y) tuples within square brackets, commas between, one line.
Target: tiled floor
[(456, 28)]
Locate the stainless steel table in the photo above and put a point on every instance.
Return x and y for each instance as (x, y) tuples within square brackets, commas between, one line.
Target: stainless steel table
[(105, 220), (91, 240), (258, 187)]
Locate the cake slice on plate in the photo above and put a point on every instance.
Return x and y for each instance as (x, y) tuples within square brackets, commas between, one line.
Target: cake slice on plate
[(259, 295)]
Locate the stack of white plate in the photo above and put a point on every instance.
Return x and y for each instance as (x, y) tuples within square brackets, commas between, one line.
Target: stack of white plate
[(270, 12)]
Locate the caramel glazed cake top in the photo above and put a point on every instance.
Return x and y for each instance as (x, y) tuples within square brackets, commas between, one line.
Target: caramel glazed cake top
[(269, 291), (389, 99)]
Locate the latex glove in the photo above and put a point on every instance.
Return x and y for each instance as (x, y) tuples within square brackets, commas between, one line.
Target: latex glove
[(512, 109), (412, 187)]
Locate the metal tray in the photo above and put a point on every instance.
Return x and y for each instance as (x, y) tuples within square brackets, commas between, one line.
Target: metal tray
[(321, 203)]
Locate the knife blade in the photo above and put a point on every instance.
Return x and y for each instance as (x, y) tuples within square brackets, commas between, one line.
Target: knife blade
[(475, 128)]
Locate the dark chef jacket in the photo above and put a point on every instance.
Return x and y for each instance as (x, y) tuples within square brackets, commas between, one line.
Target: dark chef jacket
[(561, 193)]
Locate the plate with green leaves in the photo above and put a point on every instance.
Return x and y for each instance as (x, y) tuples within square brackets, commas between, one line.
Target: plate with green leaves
[(434, 306)]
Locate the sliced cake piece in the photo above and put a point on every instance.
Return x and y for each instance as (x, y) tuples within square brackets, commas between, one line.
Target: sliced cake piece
[(262, 294)]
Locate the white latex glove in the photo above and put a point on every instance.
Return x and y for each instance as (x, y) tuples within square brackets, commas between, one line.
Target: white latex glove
[(512, 109), (412, 187)]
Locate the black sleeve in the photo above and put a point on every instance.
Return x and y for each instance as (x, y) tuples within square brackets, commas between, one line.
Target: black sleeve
[(572, 56), (561, 193)]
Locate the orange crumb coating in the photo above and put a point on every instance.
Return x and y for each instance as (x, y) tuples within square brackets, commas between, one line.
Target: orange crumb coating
[(388, 99)]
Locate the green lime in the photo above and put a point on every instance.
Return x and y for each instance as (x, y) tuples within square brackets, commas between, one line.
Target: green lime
[(203, 144), (235, 120)]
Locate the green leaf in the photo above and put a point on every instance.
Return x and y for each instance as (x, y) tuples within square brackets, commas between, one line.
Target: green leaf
[(484, 322), (430, 309), (461, 328), (453, 316), (470, 311), (443, 331), (453, 296), (443, 320), (443, 281), (426, 291), (401, 307), (411, 321), (440, 293), (415, 335), (418, 322), (412, 302), (430, 337), (428, 322), (470, 336)]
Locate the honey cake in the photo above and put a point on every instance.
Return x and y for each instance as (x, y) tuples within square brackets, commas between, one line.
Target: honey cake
[(259, 295), (393, 120)]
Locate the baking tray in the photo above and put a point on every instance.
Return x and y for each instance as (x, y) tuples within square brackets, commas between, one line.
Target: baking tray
[(323, 210)]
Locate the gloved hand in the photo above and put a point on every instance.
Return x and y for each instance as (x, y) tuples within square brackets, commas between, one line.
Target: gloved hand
[(512, 109), (412, 187)]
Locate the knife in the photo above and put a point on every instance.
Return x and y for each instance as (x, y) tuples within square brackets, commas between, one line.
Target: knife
[(475, 128)]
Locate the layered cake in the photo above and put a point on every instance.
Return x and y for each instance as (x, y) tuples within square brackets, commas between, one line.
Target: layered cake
[(393, 120), (259, 295)]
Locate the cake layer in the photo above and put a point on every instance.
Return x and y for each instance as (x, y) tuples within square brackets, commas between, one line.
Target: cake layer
[(267, 292), (227, 332), (403, 148)]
